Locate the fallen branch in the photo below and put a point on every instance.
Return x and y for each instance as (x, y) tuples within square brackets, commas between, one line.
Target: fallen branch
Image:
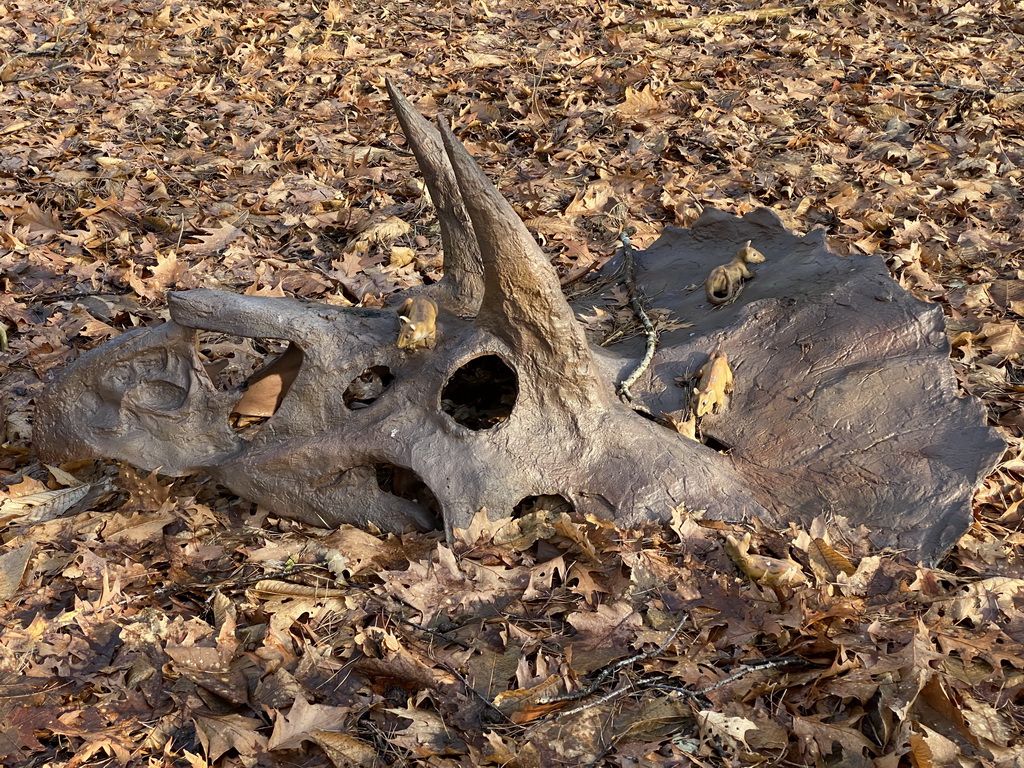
[(657, 683), (634, 301), (739, 17), (609, 669)]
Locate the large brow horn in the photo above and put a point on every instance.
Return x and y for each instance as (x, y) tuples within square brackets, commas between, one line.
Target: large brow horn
[(462, 286), (523, 302)]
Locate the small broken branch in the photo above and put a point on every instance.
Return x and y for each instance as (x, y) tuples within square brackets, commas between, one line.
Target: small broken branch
[(629, 278), (742, 672), (609, 669), (739, 17), (657, 682)]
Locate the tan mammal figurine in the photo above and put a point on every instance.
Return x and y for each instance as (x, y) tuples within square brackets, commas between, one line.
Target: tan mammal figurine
[(715, 384), (417, 319), (726, 280)]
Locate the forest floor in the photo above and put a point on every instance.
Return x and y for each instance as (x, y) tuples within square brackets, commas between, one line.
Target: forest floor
[(156, 145)]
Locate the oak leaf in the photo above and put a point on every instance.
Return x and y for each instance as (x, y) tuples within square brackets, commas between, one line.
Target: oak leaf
[(219, 734), (427, 735), (302, 720), (216, 239)]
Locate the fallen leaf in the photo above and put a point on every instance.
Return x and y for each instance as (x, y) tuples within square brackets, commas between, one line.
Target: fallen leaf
[(219, 734), (12, 570), (303, 720), (216, 239)]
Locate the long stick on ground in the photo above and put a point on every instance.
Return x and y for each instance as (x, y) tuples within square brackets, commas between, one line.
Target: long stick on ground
[(738, 17), (638, 310)]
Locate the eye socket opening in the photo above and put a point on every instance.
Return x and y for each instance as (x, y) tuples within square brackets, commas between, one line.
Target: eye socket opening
[(367, 387), (481, 393)]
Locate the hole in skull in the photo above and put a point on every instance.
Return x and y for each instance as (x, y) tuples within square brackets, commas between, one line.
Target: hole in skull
[(406, 484), (230, 360), (365, 388), (265, 389), (481, 394), (714, 443), (260, 371), (546, 502)]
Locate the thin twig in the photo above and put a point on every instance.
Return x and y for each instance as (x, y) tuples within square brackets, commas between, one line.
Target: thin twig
[(746, 670), (608, 670), (54, 51), (65, 296), (952, 86), (610, 696), (738, 17), (48, 71), (655, 683), (429, 631), (641, 314)]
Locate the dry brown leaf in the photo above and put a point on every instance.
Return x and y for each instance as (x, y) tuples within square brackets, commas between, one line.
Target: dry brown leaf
[(1007, 101), (218, 670), (303, 721), (427, 735), (641, 104), (217, 239), (1003, 338), (526, 704), (138, 529), (383, 229), (612, 625), (766, 570), (824, 735), (345, 751), (827, 562), (920, 752), (266, 388), (12, 570), (41, 506), (731, 731), (1009, 294), (219, 734), (484, 60), (987, 600)]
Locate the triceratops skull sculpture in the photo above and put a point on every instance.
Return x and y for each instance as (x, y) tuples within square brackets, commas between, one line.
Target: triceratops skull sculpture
[(844, 400)]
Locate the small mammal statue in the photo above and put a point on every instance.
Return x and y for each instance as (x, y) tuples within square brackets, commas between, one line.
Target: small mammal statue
[(417, 319), (715, 384), (726, 280)]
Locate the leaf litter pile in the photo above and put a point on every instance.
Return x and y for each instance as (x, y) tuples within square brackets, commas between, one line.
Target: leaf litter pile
[(151, 145)]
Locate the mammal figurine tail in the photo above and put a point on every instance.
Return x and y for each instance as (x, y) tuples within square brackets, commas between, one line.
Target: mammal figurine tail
[(726, 280)]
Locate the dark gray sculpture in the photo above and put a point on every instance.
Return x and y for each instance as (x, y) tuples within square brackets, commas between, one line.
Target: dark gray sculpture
[(844, 400)]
